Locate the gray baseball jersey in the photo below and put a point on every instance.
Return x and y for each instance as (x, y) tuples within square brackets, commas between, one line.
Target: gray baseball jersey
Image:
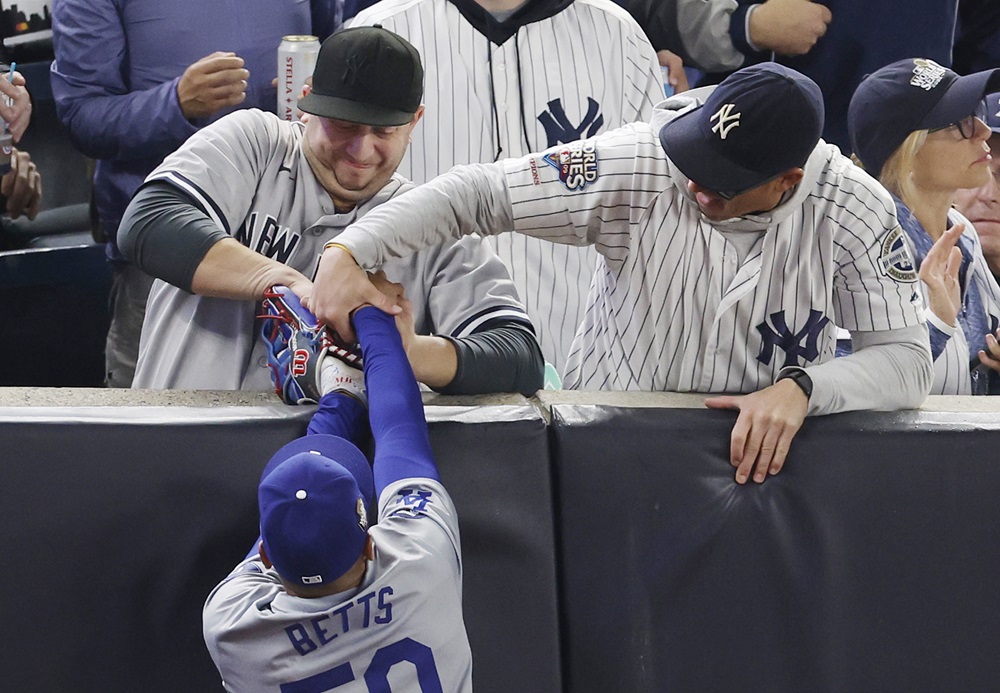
[(400, 630), (248, 173), (682, 303), (561, 72)]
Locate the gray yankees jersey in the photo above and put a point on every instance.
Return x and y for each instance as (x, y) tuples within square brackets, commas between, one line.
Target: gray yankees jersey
[(545, 79), (402, 625), (248, 173)]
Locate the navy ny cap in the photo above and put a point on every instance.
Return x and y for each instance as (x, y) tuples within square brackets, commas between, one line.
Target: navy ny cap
[(906, 96), (758, 123)]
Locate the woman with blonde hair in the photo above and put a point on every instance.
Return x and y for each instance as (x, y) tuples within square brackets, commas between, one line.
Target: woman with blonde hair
[(918, 127)]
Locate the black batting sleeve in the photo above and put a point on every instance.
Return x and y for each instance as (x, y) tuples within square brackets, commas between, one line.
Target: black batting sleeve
[(504, 356), (165, 234)]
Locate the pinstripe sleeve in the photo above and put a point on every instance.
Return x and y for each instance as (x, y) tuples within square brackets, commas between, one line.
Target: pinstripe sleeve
[(875, 286), (466, 200), (577, 194), (642, 73), (589, 191)]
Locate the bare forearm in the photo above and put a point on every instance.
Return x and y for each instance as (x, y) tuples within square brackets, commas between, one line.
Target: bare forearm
[(502, 358), (433, 359), (231, 270)]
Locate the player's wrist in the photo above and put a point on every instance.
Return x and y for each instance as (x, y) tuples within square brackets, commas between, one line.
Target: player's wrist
[(799, 377), (333, 245)]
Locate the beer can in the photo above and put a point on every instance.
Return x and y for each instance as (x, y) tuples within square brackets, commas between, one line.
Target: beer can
[(296, 62)]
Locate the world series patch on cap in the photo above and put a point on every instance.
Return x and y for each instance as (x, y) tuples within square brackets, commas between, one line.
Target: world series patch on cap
[(906, 96)]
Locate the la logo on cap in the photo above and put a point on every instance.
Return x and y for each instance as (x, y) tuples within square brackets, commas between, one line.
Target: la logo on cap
[(727, 120), (927, 74)]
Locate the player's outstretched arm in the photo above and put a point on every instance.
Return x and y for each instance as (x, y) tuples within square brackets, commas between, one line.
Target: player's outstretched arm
[(395, 409), (764, 429), (231, 270)]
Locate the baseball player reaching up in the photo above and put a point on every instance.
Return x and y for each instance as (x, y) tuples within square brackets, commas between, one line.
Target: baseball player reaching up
[(329, 598), (733, 241)]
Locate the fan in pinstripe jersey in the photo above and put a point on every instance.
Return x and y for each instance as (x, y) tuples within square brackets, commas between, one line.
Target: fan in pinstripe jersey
[(506, 77), (732, 239)]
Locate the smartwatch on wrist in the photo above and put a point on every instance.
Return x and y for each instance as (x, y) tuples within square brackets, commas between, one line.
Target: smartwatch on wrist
[(799, 377)]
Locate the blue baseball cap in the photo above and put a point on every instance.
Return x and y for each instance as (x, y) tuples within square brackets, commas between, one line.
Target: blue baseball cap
[(758, 123), (315, 496), (906, 96)]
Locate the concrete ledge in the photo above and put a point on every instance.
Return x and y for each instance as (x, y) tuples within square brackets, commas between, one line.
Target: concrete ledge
[(544, 399)]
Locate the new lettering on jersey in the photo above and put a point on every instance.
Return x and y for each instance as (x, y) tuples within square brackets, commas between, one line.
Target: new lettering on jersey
[(559, 129), (411, 502)]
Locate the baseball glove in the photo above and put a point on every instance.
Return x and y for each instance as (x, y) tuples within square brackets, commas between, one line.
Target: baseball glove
[(306, 359)]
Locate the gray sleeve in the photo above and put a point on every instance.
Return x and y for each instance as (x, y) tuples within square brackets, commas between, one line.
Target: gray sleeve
[(697, 30), (465, 201), (888, 370), (503, 357), (166, 235)]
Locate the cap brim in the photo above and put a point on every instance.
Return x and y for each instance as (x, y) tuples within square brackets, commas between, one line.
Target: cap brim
[(338, 449), (961, 99), (697, 157), (352, 111)]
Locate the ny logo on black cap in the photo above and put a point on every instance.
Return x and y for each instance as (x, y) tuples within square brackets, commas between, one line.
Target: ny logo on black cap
[(355, 64)]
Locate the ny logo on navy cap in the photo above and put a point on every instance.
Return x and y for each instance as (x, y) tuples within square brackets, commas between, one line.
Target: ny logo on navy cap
[(758, 123), (726, 120)]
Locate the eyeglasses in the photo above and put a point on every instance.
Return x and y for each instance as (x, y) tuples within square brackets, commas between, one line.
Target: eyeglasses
[(967, 125)]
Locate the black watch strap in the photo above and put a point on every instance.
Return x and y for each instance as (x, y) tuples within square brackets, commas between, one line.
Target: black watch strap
[(800, 377)]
